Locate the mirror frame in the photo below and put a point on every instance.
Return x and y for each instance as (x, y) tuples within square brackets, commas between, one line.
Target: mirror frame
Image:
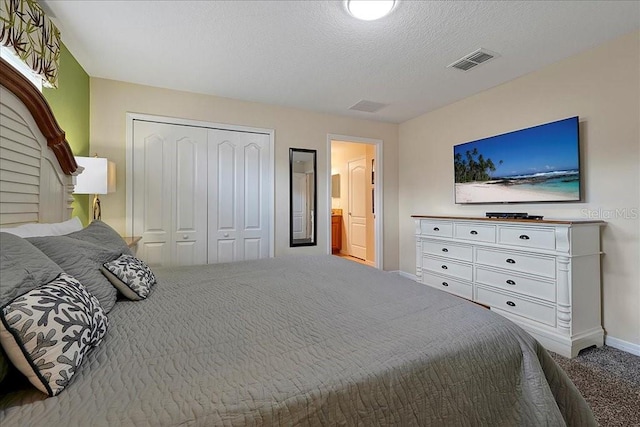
[(314, 218)]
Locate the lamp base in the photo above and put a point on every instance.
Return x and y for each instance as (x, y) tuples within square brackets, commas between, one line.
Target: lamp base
[(97, 210)]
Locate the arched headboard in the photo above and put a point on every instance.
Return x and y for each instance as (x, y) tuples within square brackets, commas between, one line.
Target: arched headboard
[(36, 162)]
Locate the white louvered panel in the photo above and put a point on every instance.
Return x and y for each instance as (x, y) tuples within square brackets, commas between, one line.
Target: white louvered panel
[(18, 146), (7, 197), (19, 157), (18, 207), (11, 166), (32, 185), (12, 187), (9, 119), (10, 176), (17, 219)]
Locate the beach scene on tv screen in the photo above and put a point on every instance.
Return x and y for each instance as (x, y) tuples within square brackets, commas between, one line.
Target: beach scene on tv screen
[(538, 164)]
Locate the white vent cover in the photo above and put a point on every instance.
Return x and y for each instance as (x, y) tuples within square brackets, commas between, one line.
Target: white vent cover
[(474, 59), (367, 106)]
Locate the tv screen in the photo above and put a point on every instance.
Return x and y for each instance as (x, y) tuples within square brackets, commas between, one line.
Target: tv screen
[(537, 164)]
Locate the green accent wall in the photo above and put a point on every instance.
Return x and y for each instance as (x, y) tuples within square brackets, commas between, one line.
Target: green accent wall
[(70, 105)]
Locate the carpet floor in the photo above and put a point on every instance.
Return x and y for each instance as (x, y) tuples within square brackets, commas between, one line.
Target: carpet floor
[(609, 380)]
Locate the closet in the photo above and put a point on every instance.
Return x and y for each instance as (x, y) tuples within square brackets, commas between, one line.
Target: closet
[(199, 194)]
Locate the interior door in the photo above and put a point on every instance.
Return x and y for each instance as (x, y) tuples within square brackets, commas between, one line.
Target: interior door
[(238, 204), (169, 193), (357, 217), (299, 188)]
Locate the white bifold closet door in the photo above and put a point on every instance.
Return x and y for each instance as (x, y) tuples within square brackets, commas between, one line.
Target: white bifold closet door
[(169, 193), (238, 196), (199, 194)]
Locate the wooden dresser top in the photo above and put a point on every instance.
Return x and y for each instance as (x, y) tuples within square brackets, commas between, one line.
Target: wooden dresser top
[(529, 221)]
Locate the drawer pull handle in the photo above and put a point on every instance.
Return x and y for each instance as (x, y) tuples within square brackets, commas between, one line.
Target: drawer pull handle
[(445, 284), (445, 250), (524, 237), (436, 229), (511, 261), (511, 303), (474, 232), (511, 282), (444, 267)]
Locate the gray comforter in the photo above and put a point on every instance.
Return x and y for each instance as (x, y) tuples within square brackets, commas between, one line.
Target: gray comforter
[(306, 341)]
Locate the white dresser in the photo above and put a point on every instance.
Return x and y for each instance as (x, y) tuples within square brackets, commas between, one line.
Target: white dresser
[(543, 275)]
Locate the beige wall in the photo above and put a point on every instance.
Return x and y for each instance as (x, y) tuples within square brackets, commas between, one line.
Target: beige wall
[(602, 86), (111, 100)]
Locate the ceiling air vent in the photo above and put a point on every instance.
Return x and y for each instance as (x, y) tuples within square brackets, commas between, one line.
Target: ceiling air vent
[(474, 59), (367, 106)]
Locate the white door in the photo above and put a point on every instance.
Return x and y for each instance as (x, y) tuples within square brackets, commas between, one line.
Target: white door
[(238, 197), (357, 219), (169, 184), (299, 197)]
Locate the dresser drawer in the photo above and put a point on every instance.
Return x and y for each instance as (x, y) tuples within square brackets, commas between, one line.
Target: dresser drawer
[(446, 249), (512, 282), (514, 261), (436, 228), (448, 284), (532, 310), (542, 238), (447, 267), (475, 232)]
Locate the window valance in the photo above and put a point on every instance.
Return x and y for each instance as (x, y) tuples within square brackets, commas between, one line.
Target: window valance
[(32, 36)]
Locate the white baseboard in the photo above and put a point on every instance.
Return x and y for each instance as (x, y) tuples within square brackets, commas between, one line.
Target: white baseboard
[(622, 345), (405, 274)]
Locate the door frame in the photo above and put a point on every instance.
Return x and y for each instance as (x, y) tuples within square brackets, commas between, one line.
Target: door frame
[(270, 184), (378, 192)]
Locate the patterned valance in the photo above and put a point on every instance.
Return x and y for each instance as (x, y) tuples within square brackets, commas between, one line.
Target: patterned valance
[(32, 36)]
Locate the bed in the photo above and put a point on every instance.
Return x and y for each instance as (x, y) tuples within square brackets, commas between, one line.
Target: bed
[(313, 340)]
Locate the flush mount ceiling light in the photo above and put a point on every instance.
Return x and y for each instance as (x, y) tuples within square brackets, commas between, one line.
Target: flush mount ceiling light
[(369, 10)]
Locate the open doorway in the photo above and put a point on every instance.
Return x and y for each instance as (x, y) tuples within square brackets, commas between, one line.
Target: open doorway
[(355, 199)]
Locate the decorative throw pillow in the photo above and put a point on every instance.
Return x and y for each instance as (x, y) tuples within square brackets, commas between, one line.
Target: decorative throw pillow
[(47, 332), (131, 276), (82, 260)]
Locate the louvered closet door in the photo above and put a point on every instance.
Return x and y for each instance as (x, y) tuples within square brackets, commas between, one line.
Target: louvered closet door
[(170, 193), (238, 196)]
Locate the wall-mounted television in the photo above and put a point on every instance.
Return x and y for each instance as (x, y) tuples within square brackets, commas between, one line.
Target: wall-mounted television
[(532, 165)]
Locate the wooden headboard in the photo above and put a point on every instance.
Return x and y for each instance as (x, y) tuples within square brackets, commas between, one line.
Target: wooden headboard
[(36, 162)]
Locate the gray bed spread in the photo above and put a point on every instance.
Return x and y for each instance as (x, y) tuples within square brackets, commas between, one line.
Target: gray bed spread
[(306, 341)]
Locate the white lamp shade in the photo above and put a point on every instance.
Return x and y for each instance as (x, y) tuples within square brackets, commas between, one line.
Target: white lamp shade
[(98, 176)]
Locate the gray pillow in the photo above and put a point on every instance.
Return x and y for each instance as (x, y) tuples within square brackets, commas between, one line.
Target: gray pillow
[(101, 234), (23, 267), (82, 260)]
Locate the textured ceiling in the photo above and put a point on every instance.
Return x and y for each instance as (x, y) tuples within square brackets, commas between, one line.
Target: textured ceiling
[(314, 55)]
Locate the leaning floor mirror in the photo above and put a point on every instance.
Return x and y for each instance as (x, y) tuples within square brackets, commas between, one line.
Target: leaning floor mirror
[(302, 197)]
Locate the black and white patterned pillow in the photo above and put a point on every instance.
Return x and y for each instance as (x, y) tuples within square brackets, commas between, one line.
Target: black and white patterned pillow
[(47, 332), (131, 276)]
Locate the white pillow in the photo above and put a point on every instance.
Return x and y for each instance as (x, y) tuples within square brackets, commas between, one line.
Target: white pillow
[(42, 230)]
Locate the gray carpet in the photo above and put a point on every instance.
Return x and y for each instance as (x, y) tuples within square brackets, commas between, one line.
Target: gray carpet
[(609, 379)]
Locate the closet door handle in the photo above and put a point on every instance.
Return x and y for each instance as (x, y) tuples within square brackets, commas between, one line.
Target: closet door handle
[(226, 234), (474, 232), (524, 237), (511, 261), (511, 282), (511, 303), (184, 236)]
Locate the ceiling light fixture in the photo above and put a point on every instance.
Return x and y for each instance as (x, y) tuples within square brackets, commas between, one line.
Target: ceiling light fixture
[(369, 10)]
